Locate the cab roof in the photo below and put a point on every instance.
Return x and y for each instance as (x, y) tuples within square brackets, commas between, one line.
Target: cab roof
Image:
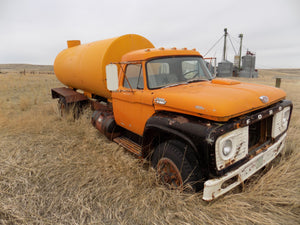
[(148, 53)]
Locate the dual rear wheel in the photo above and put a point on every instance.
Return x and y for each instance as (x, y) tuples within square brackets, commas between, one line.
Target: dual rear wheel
[(65, 108)]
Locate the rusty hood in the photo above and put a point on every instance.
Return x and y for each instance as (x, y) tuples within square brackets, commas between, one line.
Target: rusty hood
[(218, 100)]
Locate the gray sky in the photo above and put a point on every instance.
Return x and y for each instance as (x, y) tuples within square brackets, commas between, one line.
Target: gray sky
[(35, 31)]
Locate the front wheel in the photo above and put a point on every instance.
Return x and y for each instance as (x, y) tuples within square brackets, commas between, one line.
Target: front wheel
[(177, 166)]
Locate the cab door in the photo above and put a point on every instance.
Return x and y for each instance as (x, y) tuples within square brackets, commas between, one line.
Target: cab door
[(133, 103)]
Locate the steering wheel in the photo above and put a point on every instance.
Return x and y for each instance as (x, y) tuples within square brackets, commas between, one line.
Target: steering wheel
[(191, 71)]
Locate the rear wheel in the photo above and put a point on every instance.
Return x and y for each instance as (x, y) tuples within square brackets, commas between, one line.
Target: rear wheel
[(65, 108), (62, 107), (177, 166)]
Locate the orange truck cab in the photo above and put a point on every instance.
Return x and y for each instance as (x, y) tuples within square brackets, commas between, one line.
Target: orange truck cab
[(199, 132)]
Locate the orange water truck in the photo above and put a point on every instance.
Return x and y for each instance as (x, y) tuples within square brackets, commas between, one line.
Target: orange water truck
[(163, 105)]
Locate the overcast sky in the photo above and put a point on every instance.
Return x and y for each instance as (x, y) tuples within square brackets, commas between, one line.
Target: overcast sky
[(35, 31)]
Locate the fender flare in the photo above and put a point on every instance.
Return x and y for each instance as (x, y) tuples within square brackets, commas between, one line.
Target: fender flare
[(154, 127)]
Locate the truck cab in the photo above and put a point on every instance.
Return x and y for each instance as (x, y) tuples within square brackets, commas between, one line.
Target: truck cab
[(143, 78)]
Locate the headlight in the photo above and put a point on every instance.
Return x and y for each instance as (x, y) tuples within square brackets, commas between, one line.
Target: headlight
[(280, 121), (231, 147), (286, 116), (227, 147)]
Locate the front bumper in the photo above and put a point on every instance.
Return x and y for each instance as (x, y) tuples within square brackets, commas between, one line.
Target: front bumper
[(213, 188)]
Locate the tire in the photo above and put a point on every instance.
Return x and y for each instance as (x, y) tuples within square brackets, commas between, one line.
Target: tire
[(66, 108), (177, 167), (63, 108)]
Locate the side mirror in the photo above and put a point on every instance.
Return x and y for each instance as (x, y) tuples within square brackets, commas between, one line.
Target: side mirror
[(112, 78)]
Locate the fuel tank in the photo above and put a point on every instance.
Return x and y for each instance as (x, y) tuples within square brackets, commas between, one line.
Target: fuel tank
[(83, 66)]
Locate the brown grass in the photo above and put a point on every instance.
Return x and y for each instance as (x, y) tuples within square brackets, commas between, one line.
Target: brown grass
[(57, 171)]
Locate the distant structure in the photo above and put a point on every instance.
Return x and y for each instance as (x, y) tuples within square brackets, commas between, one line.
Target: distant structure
[(243, 66), (225, 67), (248, 66)]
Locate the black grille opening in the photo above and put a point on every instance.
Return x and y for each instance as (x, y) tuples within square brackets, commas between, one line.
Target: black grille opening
[(259, 133)]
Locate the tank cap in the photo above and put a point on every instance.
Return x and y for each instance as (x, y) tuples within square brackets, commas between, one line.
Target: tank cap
[(174, 48), (72, 43), (184, 48), (161, 48)]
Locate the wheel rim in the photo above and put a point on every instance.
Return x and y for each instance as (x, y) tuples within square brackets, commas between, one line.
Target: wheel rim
[(169, 173)]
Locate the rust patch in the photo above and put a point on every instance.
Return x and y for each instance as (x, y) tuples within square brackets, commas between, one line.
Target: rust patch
[(171, 122), (99, 106), (69, 94), (229, 162), (169, 174), (181, 119)]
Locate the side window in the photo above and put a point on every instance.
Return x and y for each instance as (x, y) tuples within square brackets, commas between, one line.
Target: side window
[(134, 74)]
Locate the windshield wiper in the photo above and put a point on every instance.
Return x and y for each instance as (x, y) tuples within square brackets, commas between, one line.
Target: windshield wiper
[(176, 84), (195, 80)]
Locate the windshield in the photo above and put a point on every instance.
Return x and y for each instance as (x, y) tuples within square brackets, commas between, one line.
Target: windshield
[(172, 71)]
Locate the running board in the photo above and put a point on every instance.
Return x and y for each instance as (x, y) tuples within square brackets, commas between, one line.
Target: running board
[(129, 145)]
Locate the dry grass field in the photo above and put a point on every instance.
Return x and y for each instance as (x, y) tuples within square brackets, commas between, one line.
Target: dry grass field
[(60, 171)]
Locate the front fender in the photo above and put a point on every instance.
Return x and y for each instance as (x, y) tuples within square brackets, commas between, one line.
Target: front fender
[(191, 130)]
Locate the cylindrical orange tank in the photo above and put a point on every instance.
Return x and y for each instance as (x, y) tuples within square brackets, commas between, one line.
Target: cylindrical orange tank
[(83, 66)]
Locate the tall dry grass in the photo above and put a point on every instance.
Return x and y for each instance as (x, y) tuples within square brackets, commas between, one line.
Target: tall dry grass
[(60, 171)]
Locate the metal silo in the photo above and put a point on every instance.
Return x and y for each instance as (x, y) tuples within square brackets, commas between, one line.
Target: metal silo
[(248, 66), (225, 69)]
